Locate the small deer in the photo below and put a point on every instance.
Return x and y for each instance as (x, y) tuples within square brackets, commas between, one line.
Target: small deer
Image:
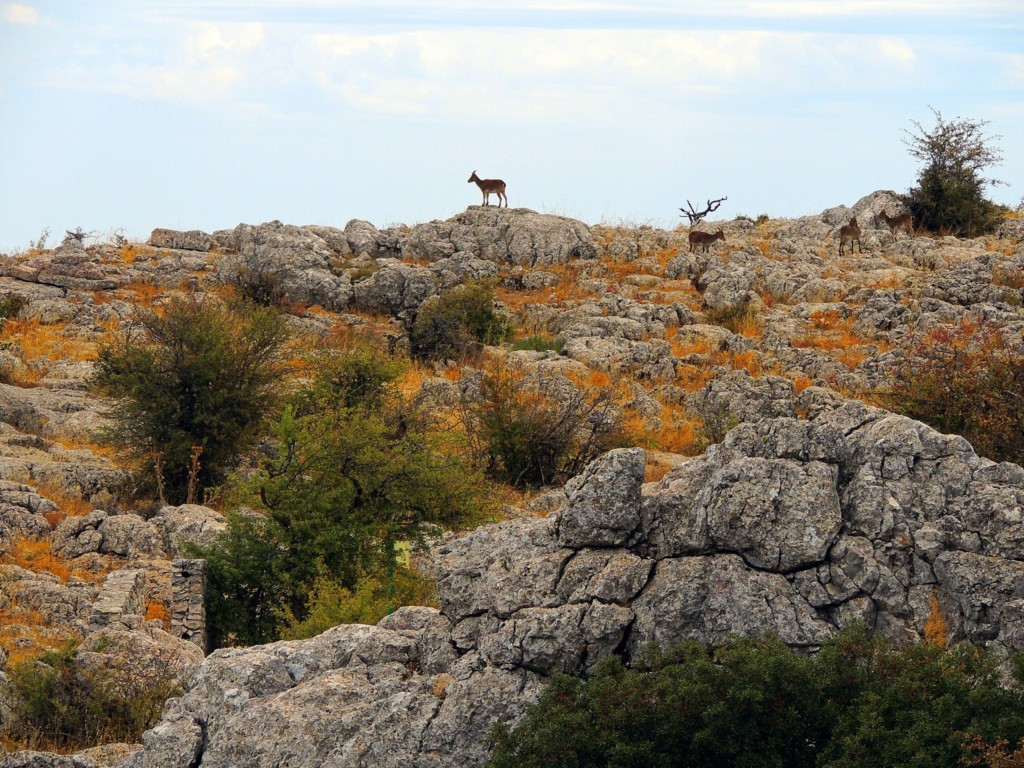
[(850, 232), (490, 185), (705, 239), (896, 223)]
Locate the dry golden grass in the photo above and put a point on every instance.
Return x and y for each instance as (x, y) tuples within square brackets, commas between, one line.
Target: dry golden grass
[(739, 361), (129, 252), (682, 348), (681, 432), (158, 609), (1008, 276), (142, 294), (36, 556), (889, 282), (25, 633), (36, 340), (936, 631), (834, 334), (800, 383), (70, 506), (693, 377)]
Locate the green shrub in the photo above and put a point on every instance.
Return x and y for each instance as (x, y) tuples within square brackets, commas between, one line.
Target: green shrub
[(537, 344), (373, 598), (452, 326), (963, 379), (60, 704), (11, 305), (950, 191), (193, 387), (757, 704)]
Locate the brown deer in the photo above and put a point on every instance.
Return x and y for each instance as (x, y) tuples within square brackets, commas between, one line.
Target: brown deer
[(490, 185), (896, 223), (850, 232), (705, 239)]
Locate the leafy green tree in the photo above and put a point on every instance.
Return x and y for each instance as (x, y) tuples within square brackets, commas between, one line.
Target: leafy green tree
[(195, 381), (352, 472), (455, 324), (950, 191)]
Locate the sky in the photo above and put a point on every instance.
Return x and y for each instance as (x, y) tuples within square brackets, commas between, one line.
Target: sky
[(127, 115)]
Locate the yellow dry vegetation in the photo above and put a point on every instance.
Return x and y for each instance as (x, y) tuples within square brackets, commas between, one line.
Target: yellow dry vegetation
[(35, 555)]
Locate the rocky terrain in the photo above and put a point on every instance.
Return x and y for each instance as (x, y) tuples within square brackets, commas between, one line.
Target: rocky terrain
[(771, 494)]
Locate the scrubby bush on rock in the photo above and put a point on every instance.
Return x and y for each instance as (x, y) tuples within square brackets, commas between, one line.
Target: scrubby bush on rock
[(453, 325), (858, 703), (61, 703), (195, 381), (532, 431)]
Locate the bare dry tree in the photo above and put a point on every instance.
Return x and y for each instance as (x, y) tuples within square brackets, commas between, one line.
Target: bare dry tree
[(694, 215)]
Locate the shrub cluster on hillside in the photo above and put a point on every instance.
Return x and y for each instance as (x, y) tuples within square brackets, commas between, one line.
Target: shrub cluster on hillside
[(455, 324), (58, 702), (858, 703), (351, 471), (964, 380)]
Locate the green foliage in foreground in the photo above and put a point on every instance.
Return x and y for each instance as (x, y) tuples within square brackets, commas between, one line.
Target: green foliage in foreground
[(352, 472), (859, 703)]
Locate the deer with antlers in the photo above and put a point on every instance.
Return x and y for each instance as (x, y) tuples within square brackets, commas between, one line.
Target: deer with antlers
[(490, 185), (705, 239), (904, 221), (850, 233)]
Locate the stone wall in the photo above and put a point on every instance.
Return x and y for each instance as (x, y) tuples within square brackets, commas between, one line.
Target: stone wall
[(188, 616)]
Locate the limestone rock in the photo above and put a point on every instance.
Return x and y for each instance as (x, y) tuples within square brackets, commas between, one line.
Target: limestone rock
[(193, 240)]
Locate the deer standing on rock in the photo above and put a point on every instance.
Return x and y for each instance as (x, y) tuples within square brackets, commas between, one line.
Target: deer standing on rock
[(490, 185), (896, 223), (850, 232), (705, 239)]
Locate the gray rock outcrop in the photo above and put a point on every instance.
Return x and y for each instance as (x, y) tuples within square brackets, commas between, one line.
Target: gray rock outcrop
[(792, 527)]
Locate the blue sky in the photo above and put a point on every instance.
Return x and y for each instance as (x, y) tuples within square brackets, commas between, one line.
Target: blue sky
[(195, 114)]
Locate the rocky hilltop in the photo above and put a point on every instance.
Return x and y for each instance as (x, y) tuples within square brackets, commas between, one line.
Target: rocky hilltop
[(798, 509)]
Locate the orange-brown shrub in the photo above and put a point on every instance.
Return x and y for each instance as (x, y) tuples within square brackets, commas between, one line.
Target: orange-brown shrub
[(964, 379)]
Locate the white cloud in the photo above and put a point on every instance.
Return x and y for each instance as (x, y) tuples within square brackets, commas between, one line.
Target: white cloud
[(197, 63), (16, 13)]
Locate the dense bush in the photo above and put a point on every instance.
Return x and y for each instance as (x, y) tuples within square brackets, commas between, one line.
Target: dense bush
[(950, 192), (755, 703), (530, 436), (963, 379), (453, 325), (373, 598), (193, 386), (353, 472), (61, 704)]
